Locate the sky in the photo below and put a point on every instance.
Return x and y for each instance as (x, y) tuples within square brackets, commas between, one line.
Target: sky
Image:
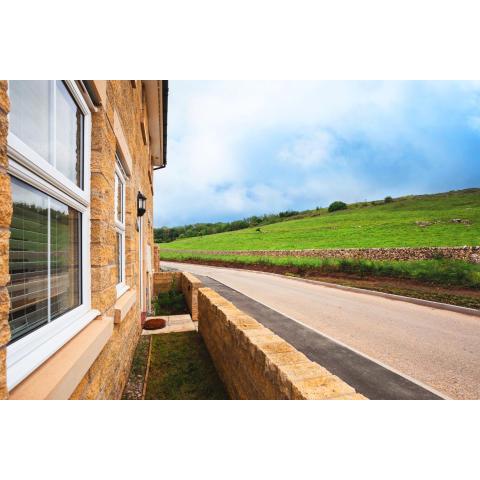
[(237, 149)]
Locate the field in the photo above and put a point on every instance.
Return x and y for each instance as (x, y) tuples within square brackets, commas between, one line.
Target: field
[(446, 219)]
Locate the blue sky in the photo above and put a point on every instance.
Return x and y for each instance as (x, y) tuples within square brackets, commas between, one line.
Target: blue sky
[(237, 149)]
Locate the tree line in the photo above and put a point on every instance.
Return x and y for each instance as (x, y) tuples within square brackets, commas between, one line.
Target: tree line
[(168, 234)]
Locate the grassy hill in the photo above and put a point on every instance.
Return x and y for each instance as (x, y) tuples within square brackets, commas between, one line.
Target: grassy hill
[(413, 221)]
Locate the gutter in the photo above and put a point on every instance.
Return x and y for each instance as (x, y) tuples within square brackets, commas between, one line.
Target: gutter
[(165, 122)]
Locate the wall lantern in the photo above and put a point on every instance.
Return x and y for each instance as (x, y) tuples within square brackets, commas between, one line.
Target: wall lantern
[(141, 204)]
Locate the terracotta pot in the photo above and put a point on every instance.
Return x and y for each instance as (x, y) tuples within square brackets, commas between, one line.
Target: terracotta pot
[(154, 323)]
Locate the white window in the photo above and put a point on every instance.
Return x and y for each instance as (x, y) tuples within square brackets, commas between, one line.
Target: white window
[(120, 178), (49, 164)]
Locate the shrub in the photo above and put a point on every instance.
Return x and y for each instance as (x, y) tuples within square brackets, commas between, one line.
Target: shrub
[(388, 199), (337, 206), (171, 302)]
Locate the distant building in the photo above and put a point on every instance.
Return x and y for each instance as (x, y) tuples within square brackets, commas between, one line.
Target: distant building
[(76, 231)]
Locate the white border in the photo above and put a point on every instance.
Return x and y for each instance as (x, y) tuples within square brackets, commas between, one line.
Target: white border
[(121, 287), (29, 352)]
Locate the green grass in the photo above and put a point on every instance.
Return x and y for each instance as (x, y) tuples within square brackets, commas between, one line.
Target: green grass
[(385, 225), (440, 272), (181, 369)]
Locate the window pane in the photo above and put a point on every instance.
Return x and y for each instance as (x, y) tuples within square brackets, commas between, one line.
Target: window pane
[(68, 142), (119, 194), (28, 288), (65, 256), (30, 114), (29, 262), (44, 116), (119, 257)]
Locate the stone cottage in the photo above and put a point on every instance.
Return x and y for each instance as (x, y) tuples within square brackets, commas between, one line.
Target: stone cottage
[(77, 160)]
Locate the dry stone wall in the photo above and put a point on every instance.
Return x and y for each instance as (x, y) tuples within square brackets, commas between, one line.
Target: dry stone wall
[(468, 254)]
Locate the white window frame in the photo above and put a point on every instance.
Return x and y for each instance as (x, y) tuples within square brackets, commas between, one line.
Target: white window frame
[(120, 225), (29, 352)]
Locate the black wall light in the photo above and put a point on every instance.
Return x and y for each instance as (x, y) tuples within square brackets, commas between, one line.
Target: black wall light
[(141, 204)]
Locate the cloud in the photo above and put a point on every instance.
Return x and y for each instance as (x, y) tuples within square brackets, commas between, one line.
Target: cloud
[(242, 148), (308, 151)]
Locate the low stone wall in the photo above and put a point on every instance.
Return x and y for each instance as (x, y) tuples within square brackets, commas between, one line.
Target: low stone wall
[(190, 286), (468, 254), (163, 281), (256, 364)]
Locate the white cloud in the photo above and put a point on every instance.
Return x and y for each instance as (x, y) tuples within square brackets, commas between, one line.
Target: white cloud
[(309, 151), (216, 168)]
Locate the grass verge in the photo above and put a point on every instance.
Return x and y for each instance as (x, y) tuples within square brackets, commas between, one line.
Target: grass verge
[(439, 272), (445, 281), (181, 369)]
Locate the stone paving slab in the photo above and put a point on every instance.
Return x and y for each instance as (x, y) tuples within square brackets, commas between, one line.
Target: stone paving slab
[(174, 323)]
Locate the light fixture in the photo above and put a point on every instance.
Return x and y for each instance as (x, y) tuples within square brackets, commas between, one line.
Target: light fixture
[(141, 204)]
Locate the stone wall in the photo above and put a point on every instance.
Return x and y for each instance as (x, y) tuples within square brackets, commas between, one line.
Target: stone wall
[(254, 363), (116, 127), (163, 282), (468, 254), (190, 286), (5, 217)]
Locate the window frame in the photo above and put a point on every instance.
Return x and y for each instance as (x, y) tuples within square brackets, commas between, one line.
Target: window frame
[(29, 352), (120, 226)]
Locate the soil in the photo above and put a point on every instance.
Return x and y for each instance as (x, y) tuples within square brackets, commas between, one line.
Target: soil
[(452, 295)]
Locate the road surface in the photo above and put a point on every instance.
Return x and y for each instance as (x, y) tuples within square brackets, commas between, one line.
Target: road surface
[(438, 348)]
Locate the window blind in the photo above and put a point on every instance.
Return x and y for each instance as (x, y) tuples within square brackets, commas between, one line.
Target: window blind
[(44, 259)]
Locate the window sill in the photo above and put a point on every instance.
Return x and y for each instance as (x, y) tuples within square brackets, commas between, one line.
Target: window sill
[(58, 377), (124, 304), (121, 289)]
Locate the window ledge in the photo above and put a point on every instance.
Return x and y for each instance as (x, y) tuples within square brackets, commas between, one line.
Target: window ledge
[(58, 377), (121, 289), (124, 304)]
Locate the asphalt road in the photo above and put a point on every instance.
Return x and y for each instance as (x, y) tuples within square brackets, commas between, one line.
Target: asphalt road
[(438, 348)]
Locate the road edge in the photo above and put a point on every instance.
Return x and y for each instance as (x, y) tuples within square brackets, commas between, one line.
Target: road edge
[(391, 296)]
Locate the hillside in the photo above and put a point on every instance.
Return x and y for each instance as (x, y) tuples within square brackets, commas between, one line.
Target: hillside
[(444, 219)]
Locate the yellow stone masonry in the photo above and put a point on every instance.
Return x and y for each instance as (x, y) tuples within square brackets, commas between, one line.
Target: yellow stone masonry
[(254, 363)]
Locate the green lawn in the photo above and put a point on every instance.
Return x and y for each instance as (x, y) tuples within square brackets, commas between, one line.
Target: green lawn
[(386, 225), (181, 369)]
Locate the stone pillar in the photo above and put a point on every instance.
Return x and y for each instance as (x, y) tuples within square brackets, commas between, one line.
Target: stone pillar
[(5, 218), (156, 258), (103, 236)]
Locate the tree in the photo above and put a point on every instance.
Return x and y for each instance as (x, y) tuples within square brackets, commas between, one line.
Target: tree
[(337, 206)]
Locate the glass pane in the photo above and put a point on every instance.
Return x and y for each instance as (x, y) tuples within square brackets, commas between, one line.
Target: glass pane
[(44, 116), (119, 194), (119, 258), (30, 114), (68, 141), (65, 256), (28, 287)]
